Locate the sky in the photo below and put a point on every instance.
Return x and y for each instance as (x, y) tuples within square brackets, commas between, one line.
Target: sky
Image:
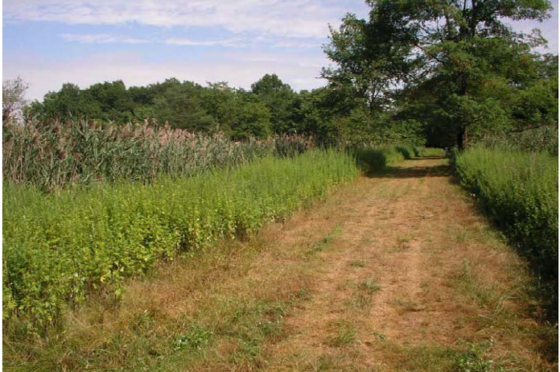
[(51, 42)]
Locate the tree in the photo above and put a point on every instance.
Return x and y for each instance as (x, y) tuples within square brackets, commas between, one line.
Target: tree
[(252, 120), (13, 98), (180, 104), (113, 100), (279, 98), (459, 52)]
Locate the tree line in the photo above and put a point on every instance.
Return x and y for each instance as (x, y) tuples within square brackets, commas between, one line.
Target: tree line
[(436, 72)]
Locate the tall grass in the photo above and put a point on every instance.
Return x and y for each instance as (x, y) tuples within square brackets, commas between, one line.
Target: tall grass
[(59, 247), (429, 152), (519, 190), (377, 158), (55, 155)]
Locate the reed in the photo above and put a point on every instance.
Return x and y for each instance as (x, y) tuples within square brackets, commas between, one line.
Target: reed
[(55, 155)]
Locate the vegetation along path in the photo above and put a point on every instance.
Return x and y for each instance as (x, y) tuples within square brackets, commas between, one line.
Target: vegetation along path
[(396, 272)]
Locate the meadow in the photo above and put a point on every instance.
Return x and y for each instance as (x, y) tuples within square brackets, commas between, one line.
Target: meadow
[(105, 207), (519, 191), (180, 226), (78, 240), (104, 203)]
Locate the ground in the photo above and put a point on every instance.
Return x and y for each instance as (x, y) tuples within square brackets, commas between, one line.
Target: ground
[(397, 271)]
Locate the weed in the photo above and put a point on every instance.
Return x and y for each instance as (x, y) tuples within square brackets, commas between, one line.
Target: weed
[(81, 240), (473, 359), (325, 243), (57, 155), (197, 337), (485, 296), (362, 293), (357, 264), (369, 286), (345, 334), (379, 336), (462, 235), (519, 191)]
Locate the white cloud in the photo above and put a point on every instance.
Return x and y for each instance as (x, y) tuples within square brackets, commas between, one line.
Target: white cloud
[(294, 18), (230, 43), (102, 39), (295, 44), (191, 42)]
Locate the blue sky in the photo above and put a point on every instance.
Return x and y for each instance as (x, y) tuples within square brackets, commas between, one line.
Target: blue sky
[(50, 42)]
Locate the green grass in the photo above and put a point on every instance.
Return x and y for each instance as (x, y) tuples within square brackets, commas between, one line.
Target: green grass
[(326, 242), (463, 356), (80, 240), (344, 333), (519, 191), (374, 159), (370, 286), (428, 151)]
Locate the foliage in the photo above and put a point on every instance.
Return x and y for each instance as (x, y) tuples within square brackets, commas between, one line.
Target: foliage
[(377, 158), (59, 154), (519, 191), (81, 239), (184, 105), (453, 66), (539, 139), (473, 359), (330, 115), (429, 151), (279, 99)]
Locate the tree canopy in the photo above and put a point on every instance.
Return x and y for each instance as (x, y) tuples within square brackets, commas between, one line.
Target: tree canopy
[(435, 72), (453, 65)]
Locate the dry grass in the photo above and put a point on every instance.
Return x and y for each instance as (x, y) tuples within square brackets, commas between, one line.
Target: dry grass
[(456, 296)]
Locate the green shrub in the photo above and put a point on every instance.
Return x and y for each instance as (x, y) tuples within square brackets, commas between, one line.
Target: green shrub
[(377, 158), (428, 151), (60, 247), (406, 151), (519, 191)]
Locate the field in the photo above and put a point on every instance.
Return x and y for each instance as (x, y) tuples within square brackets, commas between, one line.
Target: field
[(273, 255), (519, 191), (81, 239), (394, 209)]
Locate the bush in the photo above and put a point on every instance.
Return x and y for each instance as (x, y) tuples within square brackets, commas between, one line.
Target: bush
[(377, 158), (428, 151), (60, 247), (519, 191)]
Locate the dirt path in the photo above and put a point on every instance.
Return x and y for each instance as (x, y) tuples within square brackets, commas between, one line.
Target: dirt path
[(415, 273), (395, 272)]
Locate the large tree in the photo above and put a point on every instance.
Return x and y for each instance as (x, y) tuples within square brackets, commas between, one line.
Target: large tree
[(279, 98), (459, 57)]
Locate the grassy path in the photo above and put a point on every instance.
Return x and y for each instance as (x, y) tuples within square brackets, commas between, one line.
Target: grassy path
[(417, 281), (396, 272)]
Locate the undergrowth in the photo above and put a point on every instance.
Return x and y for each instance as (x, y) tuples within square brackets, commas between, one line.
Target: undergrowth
[(519, 191), (79, 240)]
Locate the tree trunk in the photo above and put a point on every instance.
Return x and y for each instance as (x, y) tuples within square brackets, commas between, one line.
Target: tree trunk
[(462, 138)]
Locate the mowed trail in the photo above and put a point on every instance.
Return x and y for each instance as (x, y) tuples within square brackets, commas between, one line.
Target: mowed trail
[(395, 272), (412, 272)]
